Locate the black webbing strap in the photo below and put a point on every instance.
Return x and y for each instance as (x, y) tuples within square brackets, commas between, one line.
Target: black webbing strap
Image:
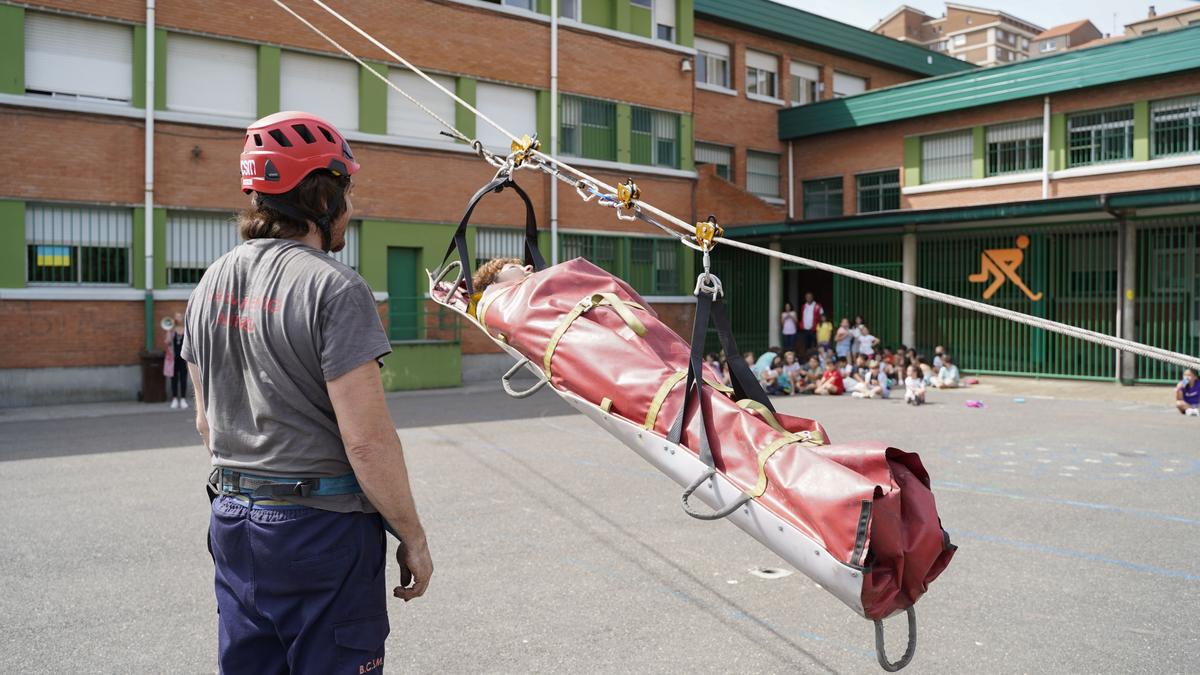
[(533, 256), (745, 385)]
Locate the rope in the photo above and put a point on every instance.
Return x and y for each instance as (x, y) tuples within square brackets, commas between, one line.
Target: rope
[(590, 187), (1121, 344)]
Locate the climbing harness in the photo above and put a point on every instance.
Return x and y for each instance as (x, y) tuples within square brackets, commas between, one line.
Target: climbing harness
[(233, 482)]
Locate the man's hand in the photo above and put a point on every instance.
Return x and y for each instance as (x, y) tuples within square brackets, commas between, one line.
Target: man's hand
[(415, 569)]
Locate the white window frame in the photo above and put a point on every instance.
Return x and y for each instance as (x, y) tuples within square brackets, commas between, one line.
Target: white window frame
[(715, 154), (758, 66), (948, 147), (712, 53), (840, 78), (763, 178), (663, 16), (574, 13), (804, 76), (212, 77), (960, 40)]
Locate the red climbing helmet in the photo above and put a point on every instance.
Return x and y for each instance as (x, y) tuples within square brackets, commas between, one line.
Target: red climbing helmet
[(283, 148)]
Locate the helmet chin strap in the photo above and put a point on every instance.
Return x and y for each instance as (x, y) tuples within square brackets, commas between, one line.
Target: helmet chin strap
[(324, 221)]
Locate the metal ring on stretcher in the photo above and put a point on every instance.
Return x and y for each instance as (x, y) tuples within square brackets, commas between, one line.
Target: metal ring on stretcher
[(439, 275), (881, 653), (506, 381), (715, 515)]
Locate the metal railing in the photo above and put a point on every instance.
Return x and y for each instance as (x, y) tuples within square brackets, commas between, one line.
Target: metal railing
[(419, 319)]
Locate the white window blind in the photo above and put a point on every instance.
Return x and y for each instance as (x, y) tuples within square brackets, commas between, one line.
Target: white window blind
[(324, 86), (946, 156), (805, 70), (847, 85), (762, 173), (194, 241), (712, 47), (762, 61), (712, 62), (664, 12), (76, 57), (513, 108), (1015, 131), (707, 153), (216, 77), (496, 243), (406, 119)]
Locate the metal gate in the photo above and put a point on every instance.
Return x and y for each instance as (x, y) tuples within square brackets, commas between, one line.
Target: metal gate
[(879, 307), (1064, 273), (744, 276), (1167, 304)]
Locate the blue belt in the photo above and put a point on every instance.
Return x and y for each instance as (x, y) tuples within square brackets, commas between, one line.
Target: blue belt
[(234, 482)]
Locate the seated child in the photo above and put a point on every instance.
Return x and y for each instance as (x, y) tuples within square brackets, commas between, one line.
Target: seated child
[(806, 381), (875, 384), (1187, 393), (947, 377), (792, 369), (914, 387), (831, 383)]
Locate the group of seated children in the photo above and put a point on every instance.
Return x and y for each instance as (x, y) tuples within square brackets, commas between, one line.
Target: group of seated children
[(824, 374)]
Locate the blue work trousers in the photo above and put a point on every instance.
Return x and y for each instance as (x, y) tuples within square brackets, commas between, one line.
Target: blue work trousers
[(299, 590)]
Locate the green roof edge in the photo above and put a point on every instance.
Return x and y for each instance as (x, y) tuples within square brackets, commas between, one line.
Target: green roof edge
[(784, 22)]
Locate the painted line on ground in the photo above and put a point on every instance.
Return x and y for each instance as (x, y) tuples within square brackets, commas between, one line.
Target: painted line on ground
[(1076, 555), (1000, 492)]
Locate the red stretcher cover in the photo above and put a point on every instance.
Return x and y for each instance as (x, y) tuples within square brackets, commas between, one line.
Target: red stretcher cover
[(868, 504)]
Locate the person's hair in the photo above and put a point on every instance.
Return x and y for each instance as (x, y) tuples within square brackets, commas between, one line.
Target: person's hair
[(922, 361), (486, 274), (946, 358), (1193, 371), (773, 349), (312, 195), (842, 359), (787, 306)]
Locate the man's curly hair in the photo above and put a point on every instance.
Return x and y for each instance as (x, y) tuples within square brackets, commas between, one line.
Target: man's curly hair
[(486, 274)]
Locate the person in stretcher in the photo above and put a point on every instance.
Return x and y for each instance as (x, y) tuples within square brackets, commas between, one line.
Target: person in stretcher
[(591, 334)]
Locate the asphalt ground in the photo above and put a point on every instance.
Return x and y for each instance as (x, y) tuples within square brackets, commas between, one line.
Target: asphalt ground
[(557, 549)]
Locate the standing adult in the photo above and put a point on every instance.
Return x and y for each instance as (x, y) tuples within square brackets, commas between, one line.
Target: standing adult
[(789, 321), (810, 315), (284, 345), (174, 366), (844, 339)]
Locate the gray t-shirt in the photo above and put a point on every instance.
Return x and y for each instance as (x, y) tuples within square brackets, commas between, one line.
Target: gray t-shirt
[(268, 325)]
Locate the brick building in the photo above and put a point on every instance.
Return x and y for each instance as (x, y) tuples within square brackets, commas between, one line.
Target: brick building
[(97, 249), (1064, 187), (985, 37)]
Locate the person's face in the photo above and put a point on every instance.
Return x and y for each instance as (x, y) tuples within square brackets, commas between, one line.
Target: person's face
[(858, 320), (938, 349), (845, 323), (813, 362), (912, 371), (789, 358), (513, 272), (178, 319), (750, 359), (1190, 376), (808, 297), (864, 330), (861, 360), (830, 367), (787, 306)]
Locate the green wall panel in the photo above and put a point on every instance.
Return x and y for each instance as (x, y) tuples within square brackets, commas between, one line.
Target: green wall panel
[(422, 365), (912, 161), (1141, 130), (685, 23), (624, 133), (372, 100), (268, 80), (465, 119), (621, 19), (687, 142), (375, 236), (640, 22), (978, 152), (543, 120), (139, 68), (1058, 141), (12, 244), (600, 12), (12, 49)]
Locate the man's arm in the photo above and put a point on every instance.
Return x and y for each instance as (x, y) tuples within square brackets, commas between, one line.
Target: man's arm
[(377, 458), (201, 416)]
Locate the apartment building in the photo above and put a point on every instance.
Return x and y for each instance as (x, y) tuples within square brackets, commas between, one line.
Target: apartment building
[(984, 37), (1067, 36), (1161, 23), (1069, 195), (101, 245)]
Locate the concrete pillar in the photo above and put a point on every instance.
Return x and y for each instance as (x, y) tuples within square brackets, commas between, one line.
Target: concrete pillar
[(908, 302), (774, 296), (1127, 325)]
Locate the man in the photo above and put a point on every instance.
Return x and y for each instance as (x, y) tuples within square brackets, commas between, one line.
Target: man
[(810, 314), (283, 343)]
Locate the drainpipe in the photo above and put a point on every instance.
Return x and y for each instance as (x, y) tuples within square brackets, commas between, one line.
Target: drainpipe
[(148, 216), (553, 150), (1045, 147), (791, 186)]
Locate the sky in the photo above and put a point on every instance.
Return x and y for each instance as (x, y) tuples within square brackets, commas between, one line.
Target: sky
[(865, 13)]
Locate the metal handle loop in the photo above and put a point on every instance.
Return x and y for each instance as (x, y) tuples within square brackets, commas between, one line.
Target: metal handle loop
[(439, 275), (881, 653), (715, 515), (506, 381)]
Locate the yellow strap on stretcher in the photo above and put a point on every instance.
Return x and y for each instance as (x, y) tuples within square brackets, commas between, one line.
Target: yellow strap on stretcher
[(591, 302), (765, 454), (660, 397), (769, 417)]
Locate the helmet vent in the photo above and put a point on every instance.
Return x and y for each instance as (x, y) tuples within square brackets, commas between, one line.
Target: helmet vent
[(280, 138), (257, 140), (304, 133), (325, 132)]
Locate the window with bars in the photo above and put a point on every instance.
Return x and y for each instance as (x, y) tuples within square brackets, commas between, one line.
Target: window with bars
[(194, 240), (822, 198), (491, 243), (653, 266), (805, 83), (762, 173), (600, 250), (588, 128), (762, 74), (1175, 126), (78, 245), (655, 138), (720, 156), (946, 156), (879, 191), (1015, 147), (712, 62), (1100, 136)]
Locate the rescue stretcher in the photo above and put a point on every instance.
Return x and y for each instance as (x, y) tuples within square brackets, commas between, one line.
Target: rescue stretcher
[(858, 519)]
